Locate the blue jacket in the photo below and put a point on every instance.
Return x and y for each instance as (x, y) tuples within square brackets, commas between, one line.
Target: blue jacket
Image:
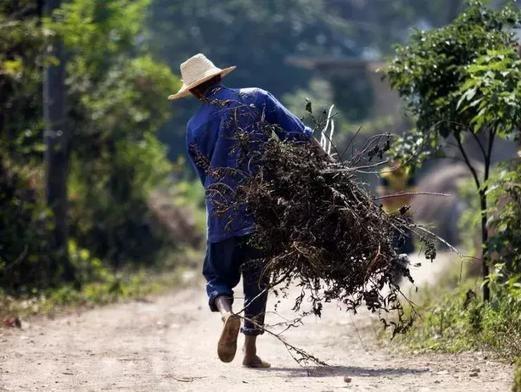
[(211, 144)]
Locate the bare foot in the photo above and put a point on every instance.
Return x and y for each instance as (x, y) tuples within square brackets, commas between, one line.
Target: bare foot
[(255, 363), (227, 345)]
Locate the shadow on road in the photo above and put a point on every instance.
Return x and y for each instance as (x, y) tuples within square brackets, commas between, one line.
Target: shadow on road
[(331, 371)]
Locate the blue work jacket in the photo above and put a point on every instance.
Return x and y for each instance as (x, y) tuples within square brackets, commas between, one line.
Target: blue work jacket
[(211, 141)]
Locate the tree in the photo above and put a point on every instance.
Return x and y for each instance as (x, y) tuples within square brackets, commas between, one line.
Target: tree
[(116, 100), (462, 82), (25, 223), (57, 137), (117, 95)]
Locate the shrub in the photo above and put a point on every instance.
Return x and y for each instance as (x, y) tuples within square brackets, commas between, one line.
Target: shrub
[(517, 377), (455, 319)]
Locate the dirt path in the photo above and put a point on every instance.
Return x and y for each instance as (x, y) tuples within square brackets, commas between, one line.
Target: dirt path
[(168, 344)]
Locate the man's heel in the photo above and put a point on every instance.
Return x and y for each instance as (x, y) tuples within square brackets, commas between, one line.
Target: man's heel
[(227, 346)]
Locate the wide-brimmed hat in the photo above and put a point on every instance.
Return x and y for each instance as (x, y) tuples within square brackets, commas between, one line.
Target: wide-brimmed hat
[(195, 71)]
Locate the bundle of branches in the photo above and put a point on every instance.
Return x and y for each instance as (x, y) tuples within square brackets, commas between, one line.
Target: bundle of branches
[(318, 226)]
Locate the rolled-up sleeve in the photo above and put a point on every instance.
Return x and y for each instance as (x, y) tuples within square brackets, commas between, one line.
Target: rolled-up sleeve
[(290, 127)]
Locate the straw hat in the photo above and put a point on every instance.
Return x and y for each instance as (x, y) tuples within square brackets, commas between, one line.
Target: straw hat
[(195, 71)]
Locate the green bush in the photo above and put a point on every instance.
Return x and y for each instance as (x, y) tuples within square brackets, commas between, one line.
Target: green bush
[(456, 319), (517, 377), (505, 193), (25, 226), (25, 222), (118, 102), (116, 99)]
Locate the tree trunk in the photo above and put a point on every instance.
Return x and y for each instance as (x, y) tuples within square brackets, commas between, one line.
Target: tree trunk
[(481, 187), (485, 258), (56, 139), (484, 244)]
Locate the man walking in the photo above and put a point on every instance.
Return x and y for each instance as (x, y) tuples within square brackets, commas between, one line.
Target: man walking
[(211, 140)]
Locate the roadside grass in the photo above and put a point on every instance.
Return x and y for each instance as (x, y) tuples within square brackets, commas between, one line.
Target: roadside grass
[(102, 287), (516, 387), (453, 317)]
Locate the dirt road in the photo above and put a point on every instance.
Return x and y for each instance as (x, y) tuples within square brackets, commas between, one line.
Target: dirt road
[(168, 344)]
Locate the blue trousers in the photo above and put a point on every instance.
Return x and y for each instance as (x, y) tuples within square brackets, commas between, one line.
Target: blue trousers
[(224, 263)]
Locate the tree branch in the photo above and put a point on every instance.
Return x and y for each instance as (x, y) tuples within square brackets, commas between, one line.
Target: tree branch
[(476, 138), (488, 159), (468, 163)]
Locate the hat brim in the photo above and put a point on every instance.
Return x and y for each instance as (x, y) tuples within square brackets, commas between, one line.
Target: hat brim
[(185, 88)]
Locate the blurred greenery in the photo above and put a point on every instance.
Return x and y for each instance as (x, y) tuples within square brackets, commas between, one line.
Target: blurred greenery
[(260, 36), (116, 99), (270, 31), (24, 219), (101, 285)]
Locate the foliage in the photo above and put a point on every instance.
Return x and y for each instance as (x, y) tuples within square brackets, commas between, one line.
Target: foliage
[(318, 92), (116, 99), (260, 36), (101, 30), (226, 31), (470, 219), (21, 65), (308, 28), (24, 219), (25, 227), (434, 71), (455, 320), (505, 194), (117, 96), (516, 387), (493, 89), (107, 287), (377, 25), (414, 147), (462, 81), (190, 193)]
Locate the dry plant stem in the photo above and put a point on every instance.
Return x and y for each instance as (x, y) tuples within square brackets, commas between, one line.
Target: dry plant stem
[(17, 260), (481, 186), (299, 355), (411, 194), (321, 230)]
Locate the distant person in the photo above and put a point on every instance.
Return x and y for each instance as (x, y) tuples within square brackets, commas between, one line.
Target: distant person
[(396, 186), (210, 141)]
